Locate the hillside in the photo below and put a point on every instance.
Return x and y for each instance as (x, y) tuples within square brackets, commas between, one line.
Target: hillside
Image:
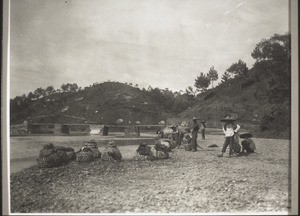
[(102, 103), (246, 98)]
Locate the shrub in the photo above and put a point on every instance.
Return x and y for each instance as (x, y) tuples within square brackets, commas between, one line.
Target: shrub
[(276, 119)]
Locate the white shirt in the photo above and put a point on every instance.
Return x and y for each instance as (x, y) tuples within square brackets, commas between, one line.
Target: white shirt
[(229, 130)]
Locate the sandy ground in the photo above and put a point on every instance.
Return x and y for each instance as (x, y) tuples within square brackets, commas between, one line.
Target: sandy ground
[(188, 182)]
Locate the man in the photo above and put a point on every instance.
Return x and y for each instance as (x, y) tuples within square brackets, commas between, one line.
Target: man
[(247, 144), (229, 129), (195, 128)]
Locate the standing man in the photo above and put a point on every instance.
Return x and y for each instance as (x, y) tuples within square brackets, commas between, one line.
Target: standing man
[(195, 128), (181, 132), (229, 129), (202, 127)]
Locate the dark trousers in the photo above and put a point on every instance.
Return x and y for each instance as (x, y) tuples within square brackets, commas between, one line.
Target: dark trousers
[(203, 134), (194, 140), (228, 141), (180, 138)]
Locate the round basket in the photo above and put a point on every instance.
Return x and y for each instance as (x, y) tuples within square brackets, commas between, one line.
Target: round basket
[(113, 152), (62, 155), (52, 160), (96, 153), (84, 156), (144, 150), (188, 146), (106, 157)]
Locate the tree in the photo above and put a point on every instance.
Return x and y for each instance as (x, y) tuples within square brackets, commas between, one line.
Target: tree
[(202, 82), (73, 87), (69, 87), (50, 90), (190, 91), (64, 87), (239, 68), (225, 77), (273, 57), (30, 95), (212, 75), (276, 49), (39, 92)]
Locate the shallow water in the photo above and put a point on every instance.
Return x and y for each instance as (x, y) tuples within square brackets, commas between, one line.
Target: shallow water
[(24, 150)]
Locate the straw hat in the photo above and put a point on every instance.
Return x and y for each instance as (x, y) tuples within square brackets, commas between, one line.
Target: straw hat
[(227, 119), (246, 135)]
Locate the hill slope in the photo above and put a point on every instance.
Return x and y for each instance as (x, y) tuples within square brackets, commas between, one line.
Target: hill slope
[(103, 103), (246, 98)]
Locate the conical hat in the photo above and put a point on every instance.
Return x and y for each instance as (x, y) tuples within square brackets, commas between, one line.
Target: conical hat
[(246, 135), (227, 119)]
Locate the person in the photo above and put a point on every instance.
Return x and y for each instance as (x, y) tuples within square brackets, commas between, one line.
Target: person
[(195, 128), (174, 136), (202, 127), (247, 144), (229, 129), (181, 132)]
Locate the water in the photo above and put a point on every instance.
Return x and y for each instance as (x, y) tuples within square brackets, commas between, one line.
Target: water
[(24, 150)]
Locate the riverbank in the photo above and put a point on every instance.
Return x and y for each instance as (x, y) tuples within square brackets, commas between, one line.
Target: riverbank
[(187, 182)]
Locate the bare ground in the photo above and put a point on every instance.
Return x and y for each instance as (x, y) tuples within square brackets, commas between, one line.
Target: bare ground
[(188, 182)]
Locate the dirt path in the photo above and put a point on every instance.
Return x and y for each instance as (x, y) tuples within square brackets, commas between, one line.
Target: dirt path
[(187, 182)]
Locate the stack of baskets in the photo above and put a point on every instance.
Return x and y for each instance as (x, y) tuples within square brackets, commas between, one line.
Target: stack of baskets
[(144, 152), (50, 156), (162, 151), (62, 153), (93, 146), (85, 154), (111, 152)]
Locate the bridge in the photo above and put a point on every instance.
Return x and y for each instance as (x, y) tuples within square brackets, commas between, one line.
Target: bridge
[(80, 128)]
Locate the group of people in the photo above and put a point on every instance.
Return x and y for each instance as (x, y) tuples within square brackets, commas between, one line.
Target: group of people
[(230, 130), (179, 133)]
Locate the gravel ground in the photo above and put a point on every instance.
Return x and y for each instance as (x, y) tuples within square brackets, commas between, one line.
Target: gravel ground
[(188, 182)]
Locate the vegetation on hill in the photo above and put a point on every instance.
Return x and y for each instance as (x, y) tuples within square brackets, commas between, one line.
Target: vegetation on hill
[(260, 96), (101, 102)]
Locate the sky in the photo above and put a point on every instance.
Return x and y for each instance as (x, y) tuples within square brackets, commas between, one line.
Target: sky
[(161, 43)]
